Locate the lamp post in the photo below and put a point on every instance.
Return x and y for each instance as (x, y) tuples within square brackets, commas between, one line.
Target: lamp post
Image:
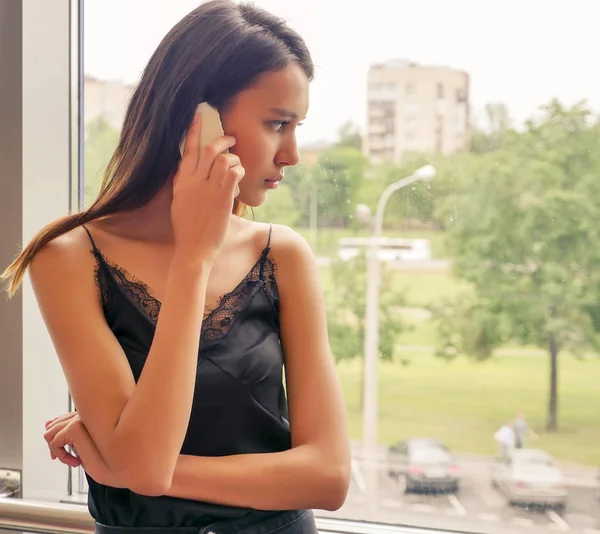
[(371, 349)]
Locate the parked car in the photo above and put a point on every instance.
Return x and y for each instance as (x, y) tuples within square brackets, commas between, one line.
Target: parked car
[(423, 464), (530, 476)]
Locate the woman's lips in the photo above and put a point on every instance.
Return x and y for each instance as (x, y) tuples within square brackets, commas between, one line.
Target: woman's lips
[(273, 183)]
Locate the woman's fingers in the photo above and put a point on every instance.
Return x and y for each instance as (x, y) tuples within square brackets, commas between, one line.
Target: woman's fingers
[(60, 418), (57, 433), (58, 448)]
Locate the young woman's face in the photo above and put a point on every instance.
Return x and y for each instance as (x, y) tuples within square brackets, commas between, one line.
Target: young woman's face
[(264, 119)]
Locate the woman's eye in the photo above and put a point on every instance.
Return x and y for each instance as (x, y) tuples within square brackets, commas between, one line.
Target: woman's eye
[(278, 125)]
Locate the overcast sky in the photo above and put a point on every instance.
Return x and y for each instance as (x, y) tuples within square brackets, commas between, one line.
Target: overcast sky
[(521, 52)]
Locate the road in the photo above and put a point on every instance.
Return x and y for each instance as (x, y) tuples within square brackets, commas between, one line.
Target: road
[(477, 507)]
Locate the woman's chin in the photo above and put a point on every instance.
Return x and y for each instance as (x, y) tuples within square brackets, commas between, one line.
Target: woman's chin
[(254, 200)]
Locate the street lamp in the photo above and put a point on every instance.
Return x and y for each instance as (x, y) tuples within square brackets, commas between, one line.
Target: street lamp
[(371, 349), (364, 215)]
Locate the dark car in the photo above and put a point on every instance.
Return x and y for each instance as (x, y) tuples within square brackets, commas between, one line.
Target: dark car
[(423, 464)]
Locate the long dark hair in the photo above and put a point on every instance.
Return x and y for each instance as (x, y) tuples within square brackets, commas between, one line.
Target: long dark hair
[(211, 55)]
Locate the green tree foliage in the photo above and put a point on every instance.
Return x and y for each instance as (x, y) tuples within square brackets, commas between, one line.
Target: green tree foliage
[(279, 207), (527, 240), (99, 144), (335, 179), (338, 177), (346, 302), (349, 136), (494, 130)]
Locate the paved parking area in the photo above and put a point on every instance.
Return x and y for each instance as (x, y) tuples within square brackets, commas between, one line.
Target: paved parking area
[(477, 507)]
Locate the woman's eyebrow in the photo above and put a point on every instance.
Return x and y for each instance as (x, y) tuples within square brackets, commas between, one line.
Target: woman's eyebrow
[(285, 113)]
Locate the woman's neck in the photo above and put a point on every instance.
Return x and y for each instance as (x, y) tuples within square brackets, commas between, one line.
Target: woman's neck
[(151, 222)]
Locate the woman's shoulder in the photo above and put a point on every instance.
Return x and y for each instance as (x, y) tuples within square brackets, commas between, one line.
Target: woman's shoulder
[(65, 263), (282, 240), (70, 249), (290, 253)]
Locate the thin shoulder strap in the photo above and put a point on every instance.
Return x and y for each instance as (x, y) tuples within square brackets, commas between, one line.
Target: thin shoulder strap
[(269, 239), (91, 239), (100, 263), (265, 253)]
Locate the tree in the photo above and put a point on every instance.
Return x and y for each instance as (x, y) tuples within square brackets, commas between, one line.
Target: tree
[(338, 176), (346, 301), (413, 203), (349, 136), (279, 207), (299, 179), (335, 180), (527, 241), (493, 130)]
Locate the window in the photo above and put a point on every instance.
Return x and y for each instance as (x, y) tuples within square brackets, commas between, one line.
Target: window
[(500, 317), (439, 133), (382, 92), (411, 109), (440, 91), (410, 140)]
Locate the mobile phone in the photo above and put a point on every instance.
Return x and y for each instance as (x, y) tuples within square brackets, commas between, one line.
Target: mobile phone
[(212, 128)]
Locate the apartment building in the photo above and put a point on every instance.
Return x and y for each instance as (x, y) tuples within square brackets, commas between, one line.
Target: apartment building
[(106, 99), (415, 108)]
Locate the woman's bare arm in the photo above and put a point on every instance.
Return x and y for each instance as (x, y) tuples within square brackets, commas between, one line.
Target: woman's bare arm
[(315, 473), (138, 429)]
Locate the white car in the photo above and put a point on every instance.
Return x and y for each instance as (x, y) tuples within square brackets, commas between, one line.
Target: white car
[(530, 476)]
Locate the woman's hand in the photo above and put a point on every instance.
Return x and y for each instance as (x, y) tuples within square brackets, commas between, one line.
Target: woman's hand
[(204, 189), (69, 431)]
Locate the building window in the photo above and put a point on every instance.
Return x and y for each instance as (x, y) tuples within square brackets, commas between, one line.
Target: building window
[(440, 90), (439, 133)]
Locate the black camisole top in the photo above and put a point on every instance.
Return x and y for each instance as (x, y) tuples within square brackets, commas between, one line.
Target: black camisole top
[(239, 404)]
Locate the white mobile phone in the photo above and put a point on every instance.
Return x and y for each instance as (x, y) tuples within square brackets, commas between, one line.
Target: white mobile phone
[(212, 128)]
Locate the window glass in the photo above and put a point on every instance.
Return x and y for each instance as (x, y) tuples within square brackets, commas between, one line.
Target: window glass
[(482, 118)]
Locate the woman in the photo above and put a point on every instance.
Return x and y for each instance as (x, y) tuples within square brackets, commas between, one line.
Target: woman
[(173, 332)]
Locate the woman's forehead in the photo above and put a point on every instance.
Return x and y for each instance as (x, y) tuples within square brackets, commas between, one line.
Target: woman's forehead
[(284, 92)]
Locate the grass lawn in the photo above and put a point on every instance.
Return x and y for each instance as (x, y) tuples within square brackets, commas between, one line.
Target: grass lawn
[(424, 287), (464, 403), (419, 332), (418, 288)]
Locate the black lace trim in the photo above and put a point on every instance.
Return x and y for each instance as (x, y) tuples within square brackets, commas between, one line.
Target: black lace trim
[(134, 290), (269, 277), (218, 321)]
